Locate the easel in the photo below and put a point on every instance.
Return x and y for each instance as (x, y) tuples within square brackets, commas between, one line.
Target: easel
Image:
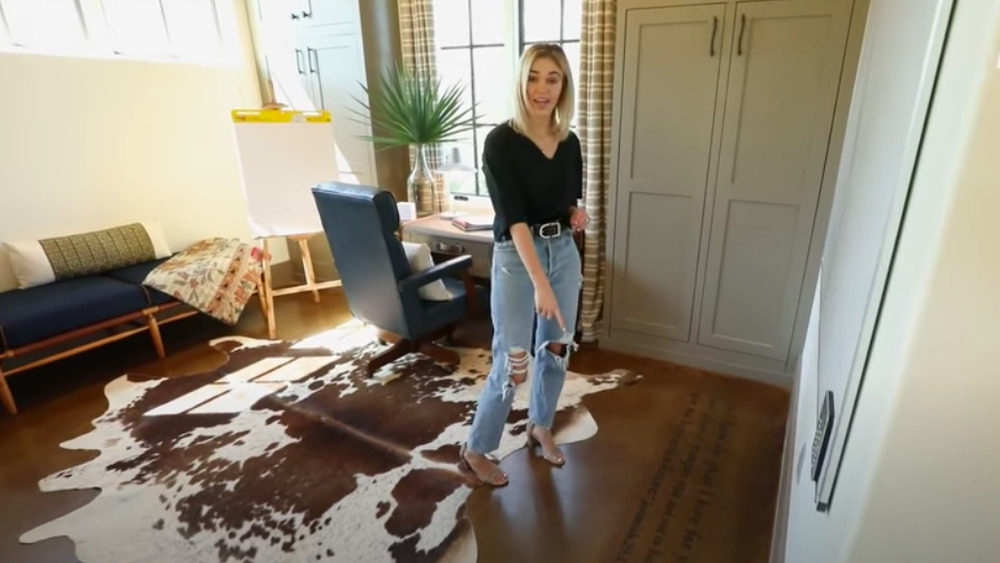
[(276, 182), (269, 293)]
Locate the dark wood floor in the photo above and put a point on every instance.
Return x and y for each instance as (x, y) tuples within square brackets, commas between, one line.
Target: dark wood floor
[(647, 487)]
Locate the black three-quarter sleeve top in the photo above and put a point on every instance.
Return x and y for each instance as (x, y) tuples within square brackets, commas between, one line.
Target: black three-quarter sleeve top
[(525, 185)]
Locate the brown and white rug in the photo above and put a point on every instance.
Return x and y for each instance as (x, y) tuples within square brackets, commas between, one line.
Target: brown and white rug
[(289, 453)]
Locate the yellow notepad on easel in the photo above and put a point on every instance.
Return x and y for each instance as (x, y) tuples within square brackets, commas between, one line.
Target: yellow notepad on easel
[(283, 153)]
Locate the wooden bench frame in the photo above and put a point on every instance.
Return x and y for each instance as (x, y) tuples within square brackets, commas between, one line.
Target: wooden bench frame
[(152, 324)]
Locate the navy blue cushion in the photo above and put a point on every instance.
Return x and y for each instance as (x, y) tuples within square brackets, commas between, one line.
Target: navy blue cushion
[(36, 313), (135, 274)]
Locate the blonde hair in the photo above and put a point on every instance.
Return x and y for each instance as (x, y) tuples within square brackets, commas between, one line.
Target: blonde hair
[(563, 114)]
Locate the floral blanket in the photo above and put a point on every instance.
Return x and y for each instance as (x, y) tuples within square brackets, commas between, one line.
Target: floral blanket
[(217, 276)]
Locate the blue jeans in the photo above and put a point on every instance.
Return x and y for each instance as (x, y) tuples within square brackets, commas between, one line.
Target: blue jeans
[(521, 338)]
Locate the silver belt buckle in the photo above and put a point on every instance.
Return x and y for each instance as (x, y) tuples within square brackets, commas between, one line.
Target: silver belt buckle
[(541, 230)]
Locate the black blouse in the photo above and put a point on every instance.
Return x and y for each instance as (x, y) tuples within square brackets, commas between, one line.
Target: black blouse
[(525, 186)]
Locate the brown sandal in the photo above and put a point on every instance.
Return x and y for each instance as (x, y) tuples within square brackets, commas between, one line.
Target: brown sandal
[(496, 479)]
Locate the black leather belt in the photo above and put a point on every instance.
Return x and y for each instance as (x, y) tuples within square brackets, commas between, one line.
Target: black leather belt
[(549, 230)]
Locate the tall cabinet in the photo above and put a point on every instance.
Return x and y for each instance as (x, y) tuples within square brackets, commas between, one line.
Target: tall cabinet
[(724, 112), (329, 57)]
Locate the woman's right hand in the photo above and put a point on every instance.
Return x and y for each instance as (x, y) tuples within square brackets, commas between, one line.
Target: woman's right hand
[(546, 304)]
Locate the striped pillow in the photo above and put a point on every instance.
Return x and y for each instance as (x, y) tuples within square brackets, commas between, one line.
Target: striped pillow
[(52, 259)]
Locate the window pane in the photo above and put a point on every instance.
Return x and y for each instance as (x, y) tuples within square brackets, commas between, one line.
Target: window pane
[(44, 23), (453, 68), (572, 18), (192, 26), (572, 51), (481, 133), (460, 181), (491, 87), (541, 19), (451, 22), (487, 21), (137, 26)]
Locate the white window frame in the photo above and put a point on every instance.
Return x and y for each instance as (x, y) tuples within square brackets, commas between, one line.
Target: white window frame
[(99, 41), (513, 46)]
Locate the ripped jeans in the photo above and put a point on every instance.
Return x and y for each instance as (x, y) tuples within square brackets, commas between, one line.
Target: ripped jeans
[(521, 338)]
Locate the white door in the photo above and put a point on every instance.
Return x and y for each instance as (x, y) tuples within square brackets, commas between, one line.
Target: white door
[(899, 63), (669, 83), (783, 82), (339, 65)]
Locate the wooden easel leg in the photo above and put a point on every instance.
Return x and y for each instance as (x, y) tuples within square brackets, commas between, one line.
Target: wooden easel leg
[(267, 305), (154, 332), (261, 297), (307, 266), (6, 396)]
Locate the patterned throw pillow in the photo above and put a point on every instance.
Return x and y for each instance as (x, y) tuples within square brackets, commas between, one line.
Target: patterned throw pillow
[(52, 259)]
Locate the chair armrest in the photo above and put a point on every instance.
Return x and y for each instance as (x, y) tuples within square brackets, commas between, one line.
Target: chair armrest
[(439, 271)]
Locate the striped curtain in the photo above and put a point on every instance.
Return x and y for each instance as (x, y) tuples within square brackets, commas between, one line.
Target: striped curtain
[(416, 34), (597, 57)]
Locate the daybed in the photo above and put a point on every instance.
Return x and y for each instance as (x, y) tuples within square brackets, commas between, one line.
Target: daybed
[(82, 291)]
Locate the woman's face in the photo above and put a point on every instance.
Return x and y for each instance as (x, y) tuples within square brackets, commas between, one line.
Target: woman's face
[(545, 83)]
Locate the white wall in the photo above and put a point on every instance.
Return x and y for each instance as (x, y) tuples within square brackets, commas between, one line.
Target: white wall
[(167, 152), (918, 481)]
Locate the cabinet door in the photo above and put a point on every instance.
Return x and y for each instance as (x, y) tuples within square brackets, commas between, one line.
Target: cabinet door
[(298, 10), (670, 76), (308, 77), (338, 63), (784, 76), (328, 12)]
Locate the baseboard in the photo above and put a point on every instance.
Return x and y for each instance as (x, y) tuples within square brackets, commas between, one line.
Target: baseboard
[(779, 533), (628, 345)]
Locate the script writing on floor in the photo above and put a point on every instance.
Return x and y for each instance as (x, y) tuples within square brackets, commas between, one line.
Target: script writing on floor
[(668, 521)]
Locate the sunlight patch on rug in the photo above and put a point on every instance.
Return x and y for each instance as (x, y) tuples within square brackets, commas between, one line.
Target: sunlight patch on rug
[(289, 453)]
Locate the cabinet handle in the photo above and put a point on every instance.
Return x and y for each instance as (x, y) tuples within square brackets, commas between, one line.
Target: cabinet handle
[(298, 60), (743, 26), (309, 54), (295, 16), (715, 28), (309, 14)]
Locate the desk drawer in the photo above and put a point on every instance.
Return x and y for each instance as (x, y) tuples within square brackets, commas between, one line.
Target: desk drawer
[(447, 247)]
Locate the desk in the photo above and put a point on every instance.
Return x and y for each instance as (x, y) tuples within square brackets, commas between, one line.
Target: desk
[(447, 241)]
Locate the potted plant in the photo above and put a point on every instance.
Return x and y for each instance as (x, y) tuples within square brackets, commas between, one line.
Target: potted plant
[(414, 110)]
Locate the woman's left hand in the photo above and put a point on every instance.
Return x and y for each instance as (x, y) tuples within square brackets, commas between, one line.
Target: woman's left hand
[(579, 219)]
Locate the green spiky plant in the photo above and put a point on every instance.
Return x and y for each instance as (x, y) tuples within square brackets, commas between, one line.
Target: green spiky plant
[(408, 109), (415, 109)]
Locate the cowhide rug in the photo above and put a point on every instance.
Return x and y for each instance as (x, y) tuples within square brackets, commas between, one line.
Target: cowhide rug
[(289, 453)]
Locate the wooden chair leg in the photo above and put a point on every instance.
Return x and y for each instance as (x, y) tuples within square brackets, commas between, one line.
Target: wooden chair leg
[(307, 267), (6, 396), (399, 349), (440, 353), (154, 332)]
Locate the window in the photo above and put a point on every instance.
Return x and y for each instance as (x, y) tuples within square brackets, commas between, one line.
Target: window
[(172, 29), (479, 43)]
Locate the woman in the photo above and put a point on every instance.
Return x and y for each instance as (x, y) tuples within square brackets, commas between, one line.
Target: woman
[(533, 166)]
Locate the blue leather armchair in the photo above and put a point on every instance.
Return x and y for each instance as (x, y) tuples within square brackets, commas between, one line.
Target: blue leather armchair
[(361, 223)]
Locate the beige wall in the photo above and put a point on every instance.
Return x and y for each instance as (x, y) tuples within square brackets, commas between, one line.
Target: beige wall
[(918, 481), (168, 154)]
